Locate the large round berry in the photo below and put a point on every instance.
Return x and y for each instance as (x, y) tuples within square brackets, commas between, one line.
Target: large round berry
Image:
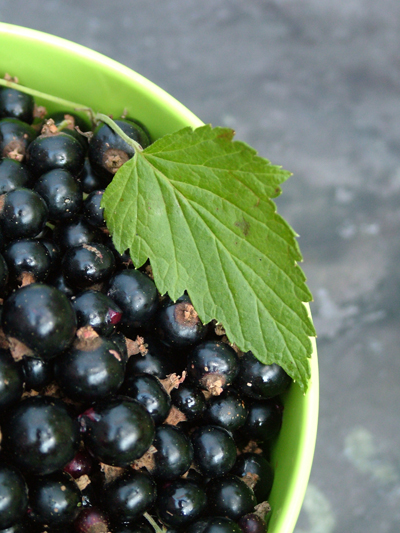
[(178, 324), (39, 435), (260, 381), (15, 137), (23, 214), (13, 175), (37, 372), (87, 264), (90, 370), (76, 232), (174, 453), (264, 419), (189, 399), (61, 192), (217, 524), (28, 260), (16, 104), (213, 365), (227, 410), (13, 495), (135, 294), (117, 431), (148, 356), (48, 152), (95, 309), (180, 502), (148, 391), (260, 469), (214, 450), (129, 496), (230, 496), (54, 500), (41, 317)]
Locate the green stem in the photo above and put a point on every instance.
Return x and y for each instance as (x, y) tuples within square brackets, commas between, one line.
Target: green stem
[(40, 94), (153, 523), (109, 121)]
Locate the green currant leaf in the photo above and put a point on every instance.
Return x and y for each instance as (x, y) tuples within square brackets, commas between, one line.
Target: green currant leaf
[(198, 205)]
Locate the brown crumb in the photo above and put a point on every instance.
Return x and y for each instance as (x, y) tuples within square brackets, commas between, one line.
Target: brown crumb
[(18, 349), (136, 347), (175, 417), (250, 479), (172, 381), (252, 447), (146, 461), (111, 472), (262, 509), (214, 383)]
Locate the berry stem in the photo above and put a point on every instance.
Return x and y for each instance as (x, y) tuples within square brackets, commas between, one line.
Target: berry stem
[(154, 524)]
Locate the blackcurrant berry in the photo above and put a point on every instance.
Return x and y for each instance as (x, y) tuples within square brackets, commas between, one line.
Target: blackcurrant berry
[(260, 381), (213, 365), (129, 496), (117, 431), (178, 324), (89, 180), (13, 495), (214, 450), (135, 294), (37, 372), (180, 502), (13, 175), (80, 465), (230, 496), (15, 137), (256, 464), (150, 357), (54, 500), (90, 370), (227, 410), (41, 317), (95, 309), (189, 400), (75, 232), (28, 261), (218, 524), (87, 264), (39, 435), (264, 419), (23, 214), (59, 150), (92, 210), (149, 392), (252, 523), (16, 104), (61, 192), (174, 453)]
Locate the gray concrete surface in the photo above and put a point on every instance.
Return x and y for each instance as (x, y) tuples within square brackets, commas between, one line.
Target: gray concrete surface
[(314, 85)]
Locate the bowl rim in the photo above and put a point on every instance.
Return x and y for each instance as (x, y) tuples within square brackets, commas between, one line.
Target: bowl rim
[(286, 521)]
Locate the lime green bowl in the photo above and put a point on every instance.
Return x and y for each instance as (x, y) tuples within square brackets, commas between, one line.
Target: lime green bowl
[(59, 67)]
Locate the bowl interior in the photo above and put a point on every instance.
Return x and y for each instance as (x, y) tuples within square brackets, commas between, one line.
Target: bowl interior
[(62, 68)]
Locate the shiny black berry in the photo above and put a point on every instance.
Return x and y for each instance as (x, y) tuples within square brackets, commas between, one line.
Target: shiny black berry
[(41, 317), (264, 420), (54, 500), (87, 264), (190, 400), (261, 471), (13, 175), (178, 324), (252, 523), (23, 214), (66, 122), (61, 192), (129, 496), (37, 373), (76, 232), (230, 496), (89, 180), (108, 151), (16, 104), (149, 356), (95, 309), (214, 450), (227, 410), (148, 391), (28, 261), (180, 502), (13, 495), (15, 137), (135, 294), (92, 210), (174, 453), (117, 431), (90, 370), (40, 436), (260, 381), (213, 365), (80, 465), (48, 152)]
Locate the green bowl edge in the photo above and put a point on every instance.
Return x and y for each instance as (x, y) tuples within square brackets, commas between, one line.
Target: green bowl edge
[(301, 411)]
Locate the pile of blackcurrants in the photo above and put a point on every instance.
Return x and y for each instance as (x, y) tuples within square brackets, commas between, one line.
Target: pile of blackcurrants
[(119, 410)]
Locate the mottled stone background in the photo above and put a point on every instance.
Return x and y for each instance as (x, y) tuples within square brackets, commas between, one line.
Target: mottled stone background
[(314, 85)]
